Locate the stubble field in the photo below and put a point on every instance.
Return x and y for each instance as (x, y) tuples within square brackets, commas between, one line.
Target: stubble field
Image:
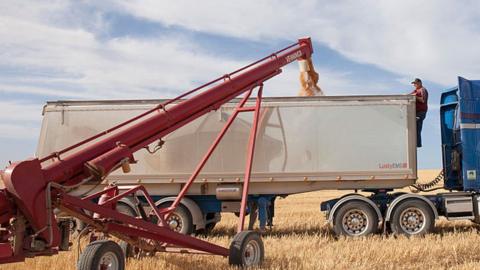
[(300, 239)]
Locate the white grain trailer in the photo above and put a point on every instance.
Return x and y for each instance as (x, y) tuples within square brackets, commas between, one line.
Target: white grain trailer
[(303, 144)]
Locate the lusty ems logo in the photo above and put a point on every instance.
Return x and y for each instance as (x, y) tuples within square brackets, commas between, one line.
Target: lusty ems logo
[(395, 165), (293, 56)]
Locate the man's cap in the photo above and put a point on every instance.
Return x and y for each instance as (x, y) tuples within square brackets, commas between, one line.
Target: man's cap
[(417, 80)]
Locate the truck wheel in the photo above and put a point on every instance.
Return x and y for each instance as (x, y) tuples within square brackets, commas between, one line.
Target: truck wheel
[(246, 249), (412, 217), (126, 209), (354, 219), (180, 220), (211, 220), (128, 250), (78, 226), (102, 254)]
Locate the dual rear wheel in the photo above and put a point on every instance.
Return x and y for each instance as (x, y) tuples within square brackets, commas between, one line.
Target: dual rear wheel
[(412, 217), (358, 218), (355, 218)]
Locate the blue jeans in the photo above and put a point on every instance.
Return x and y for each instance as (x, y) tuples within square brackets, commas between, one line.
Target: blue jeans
[(262, 211), (420, 117), (260, 206)]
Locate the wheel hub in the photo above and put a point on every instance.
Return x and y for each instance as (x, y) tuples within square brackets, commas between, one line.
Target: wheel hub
[(355, 222), (412, 220), (109, 262), (175, 223), (251, 255)]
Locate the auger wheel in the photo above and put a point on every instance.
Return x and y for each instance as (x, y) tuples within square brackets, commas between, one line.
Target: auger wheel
[(246, 249), (102, 255)]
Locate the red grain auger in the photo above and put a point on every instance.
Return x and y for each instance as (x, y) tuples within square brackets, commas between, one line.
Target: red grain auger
[(37, 189)]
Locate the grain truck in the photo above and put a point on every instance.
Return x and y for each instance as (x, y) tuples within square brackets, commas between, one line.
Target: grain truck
[(357, 143)]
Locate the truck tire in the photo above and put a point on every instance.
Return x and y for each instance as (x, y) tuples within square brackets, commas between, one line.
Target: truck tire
[(102, 254), (354, 219), (122, 207), (180, 220), (128, 250), (78, 227), (126, 209), (246, 249), (412, 217), (211, 220)]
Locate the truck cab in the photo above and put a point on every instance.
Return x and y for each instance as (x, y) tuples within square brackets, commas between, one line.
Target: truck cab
[(460, 130)]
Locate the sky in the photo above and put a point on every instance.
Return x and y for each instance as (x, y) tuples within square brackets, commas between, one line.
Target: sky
[(142, 49)]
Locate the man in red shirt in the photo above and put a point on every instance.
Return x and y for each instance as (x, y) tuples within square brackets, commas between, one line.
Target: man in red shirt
[(421, 95)]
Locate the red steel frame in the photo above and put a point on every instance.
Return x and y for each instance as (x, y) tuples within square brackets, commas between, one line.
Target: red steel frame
[(137, 228), (251, 148), (33, 187)]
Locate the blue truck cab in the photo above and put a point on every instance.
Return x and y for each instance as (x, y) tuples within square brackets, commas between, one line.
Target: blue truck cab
[(460, 129)]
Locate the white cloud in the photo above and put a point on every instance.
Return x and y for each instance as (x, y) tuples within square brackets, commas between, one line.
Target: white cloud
[(19, 120), (19, 132), (55, 61), (48, 53), (55, 50), (35, 90), (436, 40), (15, 111)]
